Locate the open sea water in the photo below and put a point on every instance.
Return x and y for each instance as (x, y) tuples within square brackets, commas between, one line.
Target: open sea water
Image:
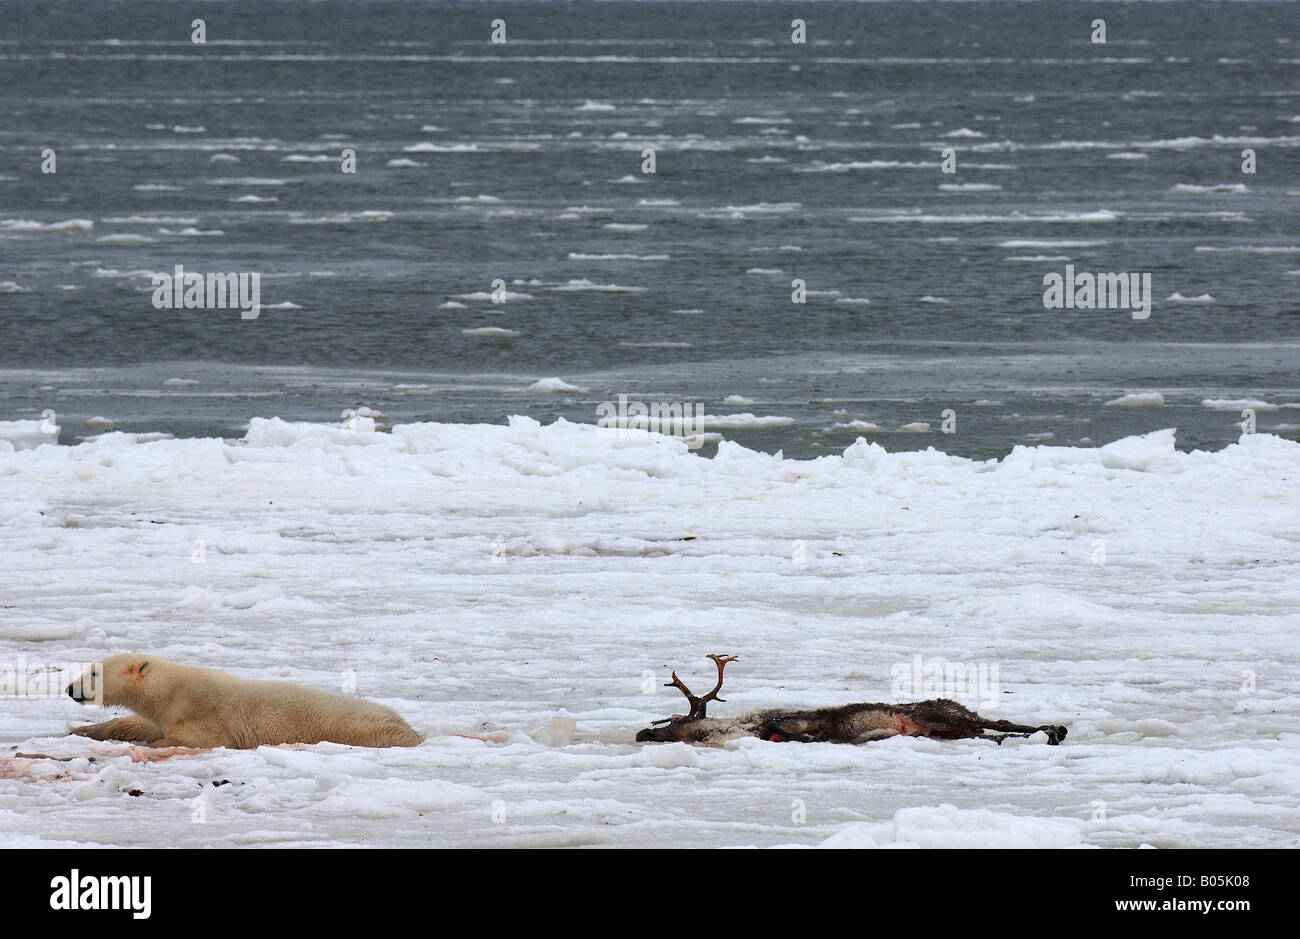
[(524, 161)]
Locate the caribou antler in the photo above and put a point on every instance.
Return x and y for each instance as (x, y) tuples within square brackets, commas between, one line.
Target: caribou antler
[(698, 705)]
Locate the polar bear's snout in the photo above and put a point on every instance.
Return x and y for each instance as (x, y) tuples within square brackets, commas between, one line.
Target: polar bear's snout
[(86, 687)]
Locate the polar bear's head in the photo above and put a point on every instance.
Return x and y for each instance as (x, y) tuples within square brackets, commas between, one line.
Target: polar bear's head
[(112, 682)]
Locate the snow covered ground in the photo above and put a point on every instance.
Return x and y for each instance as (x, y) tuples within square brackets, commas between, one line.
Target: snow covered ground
[(493, 579)]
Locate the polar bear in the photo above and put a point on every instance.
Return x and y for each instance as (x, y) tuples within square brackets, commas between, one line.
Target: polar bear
[(182, 706)]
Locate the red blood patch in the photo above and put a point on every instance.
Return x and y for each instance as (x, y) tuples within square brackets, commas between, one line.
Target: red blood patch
[(905, 725)]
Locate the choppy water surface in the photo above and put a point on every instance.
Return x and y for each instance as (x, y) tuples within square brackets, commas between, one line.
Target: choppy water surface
[(774, 161)]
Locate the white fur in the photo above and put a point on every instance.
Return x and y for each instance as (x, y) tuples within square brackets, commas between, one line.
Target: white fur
[(183, 706)]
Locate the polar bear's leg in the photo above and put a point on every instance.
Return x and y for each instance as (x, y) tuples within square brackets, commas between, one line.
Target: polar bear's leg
[(191, 735), (132, 729)]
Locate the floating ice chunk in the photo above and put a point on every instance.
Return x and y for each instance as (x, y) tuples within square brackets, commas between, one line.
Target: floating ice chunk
[(1249, 249), (124, 239), (441, 148), (582, 284), (236, 181), (1221, 187), (508, 295), (344, 218), (1237, 404), (579, 256), (554, 386), (151, 220), (1137, 399), (745, 420), (23, 224)]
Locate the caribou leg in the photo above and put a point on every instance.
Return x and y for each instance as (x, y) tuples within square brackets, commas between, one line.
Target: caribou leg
[(1055, 732)]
